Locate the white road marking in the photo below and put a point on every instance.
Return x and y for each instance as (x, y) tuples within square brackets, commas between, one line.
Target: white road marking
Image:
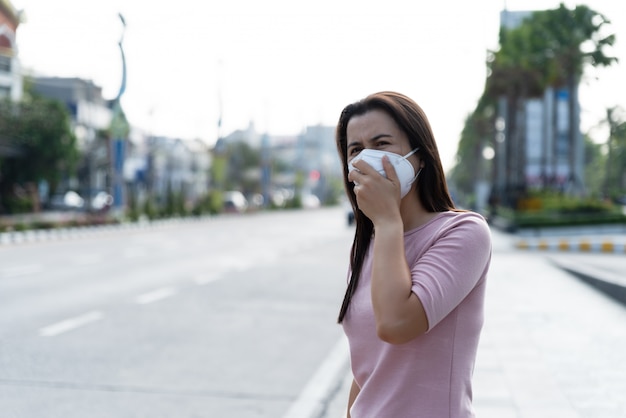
[(207, 278), (330, 373), (155, 295), (70, 324)]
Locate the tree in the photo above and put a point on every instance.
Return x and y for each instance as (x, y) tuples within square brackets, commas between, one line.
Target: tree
[(615, 176), (470, 164), (40, 128), (243, 160), (569, 41), (549, 49), (595, 167), (515, 75)]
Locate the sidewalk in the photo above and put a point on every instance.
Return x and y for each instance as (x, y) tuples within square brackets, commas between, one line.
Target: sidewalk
[(552, 346)]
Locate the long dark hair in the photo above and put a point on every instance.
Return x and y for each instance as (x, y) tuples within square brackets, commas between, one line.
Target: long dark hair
[(432, 191)]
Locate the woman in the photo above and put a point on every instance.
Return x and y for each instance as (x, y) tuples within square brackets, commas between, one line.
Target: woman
[(413, 308)]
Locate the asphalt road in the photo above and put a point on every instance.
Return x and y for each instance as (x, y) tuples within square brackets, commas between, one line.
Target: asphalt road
[(224, 317)]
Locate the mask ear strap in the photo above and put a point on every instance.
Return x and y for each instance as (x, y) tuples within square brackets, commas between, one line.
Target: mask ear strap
[(411, 153), (418, 173)]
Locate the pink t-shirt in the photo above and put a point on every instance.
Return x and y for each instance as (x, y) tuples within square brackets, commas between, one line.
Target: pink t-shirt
[(429, 376)]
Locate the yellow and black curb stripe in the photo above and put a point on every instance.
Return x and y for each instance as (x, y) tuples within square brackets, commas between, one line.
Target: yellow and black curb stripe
[(572, 245)]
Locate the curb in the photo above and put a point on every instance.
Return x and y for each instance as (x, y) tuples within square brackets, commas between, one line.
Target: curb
[(63, 234), (610, 283), (573, 245)]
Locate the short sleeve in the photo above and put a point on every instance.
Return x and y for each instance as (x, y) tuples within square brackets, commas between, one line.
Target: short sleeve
[(452, 265)]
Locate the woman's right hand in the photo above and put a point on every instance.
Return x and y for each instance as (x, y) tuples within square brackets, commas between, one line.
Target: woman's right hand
[(377, 197)]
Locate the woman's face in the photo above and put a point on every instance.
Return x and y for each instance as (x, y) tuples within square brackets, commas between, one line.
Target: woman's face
[(376, 130)]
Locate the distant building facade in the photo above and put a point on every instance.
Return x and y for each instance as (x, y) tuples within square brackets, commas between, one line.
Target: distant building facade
[(10, 72), (171, 165), (90, 117), (308, 162)]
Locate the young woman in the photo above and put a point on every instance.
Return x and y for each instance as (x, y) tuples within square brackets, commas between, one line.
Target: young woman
[(413, 308)]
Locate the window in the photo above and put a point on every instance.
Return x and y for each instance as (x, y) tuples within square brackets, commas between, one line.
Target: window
[(5, 64), (5, 92)]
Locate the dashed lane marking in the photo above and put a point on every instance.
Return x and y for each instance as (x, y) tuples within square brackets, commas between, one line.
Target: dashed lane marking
[(155, 295), (70, 324), (207, 278)]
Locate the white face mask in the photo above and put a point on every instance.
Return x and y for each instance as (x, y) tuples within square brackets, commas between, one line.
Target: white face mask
[(404, 169)]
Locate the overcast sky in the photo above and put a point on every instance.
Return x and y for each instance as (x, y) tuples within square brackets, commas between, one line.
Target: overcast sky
[(287, 64)]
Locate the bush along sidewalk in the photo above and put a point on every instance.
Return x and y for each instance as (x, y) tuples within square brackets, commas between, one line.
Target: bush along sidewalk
[(551, 210)]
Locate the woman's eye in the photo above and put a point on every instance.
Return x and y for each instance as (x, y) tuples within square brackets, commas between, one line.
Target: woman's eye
[(354, 151)]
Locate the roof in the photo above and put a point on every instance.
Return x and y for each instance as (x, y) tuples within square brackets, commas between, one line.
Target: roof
[(9, 11)]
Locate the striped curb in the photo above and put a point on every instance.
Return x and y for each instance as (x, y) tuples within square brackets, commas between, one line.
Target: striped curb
[(62, 234), (576, 245)]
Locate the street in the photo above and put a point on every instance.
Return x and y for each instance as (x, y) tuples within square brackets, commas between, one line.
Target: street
[(223, 317), (235, 316)]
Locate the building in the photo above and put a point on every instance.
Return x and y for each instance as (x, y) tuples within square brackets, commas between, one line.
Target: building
[(10, 73), (169, 165), (10, 77), (90, 117), (317, 157), (305, 164)]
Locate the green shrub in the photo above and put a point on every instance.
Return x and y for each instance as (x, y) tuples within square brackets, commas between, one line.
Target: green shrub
[(546, 209)]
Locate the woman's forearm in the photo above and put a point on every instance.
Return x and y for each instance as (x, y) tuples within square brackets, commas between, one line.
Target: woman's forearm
[(399, 314)]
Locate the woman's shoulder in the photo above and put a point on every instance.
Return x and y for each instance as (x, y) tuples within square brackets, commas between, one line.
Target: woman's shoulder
[(455, 217), (457, 221)]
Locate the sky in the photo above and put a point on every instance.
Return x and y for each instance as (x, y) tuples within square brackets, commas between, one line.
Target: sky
[(287, 64)]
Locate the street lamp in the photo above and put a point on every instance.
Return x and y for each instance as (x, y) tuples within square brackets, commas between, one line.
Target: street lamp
[(119, 133)]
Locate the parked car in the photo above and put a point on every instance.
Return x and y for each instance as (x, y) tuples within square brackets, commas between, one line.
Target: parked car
[(69, 200), (235, 202), (310, 201), (349, 213), (101, 201)]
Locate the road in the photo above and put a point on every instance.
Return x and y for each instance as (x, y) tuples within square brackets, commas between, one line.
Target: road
[(235, 317), (223, 317)]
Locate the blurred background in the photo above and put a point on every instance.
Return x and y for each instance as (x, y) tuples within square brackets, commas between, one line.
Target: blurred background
[(183, 153), (167, 110)]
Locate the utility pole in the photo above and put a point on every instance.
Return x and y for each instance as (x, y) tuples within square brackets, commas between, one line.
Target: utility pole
[(119, 133)]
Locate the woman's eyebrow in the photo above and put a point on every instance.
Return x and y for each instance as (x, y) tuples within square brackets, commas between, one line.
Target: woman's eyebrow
[(373, 139), (377, 137)]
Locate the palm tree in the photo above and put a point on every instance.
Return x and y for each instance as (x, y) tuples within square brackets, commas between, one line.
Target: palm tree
[(569, 40), (515, 75)]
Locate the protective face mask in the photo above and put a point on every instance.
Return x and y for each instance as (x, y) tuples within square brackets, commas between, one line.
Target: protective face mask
[(404, 169)]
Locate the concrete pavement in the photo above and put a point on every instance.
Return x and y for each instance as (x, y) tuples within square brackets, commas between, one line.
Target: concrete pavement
[(552, 345)]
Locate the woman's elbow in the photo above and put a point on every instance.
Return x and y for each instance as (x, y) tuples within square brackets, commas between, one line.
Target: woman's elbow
[(398, 334)]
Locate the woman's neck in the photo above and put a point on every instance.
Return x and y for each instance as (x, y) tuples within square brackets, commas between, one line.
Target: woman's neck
[(413, 213)]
